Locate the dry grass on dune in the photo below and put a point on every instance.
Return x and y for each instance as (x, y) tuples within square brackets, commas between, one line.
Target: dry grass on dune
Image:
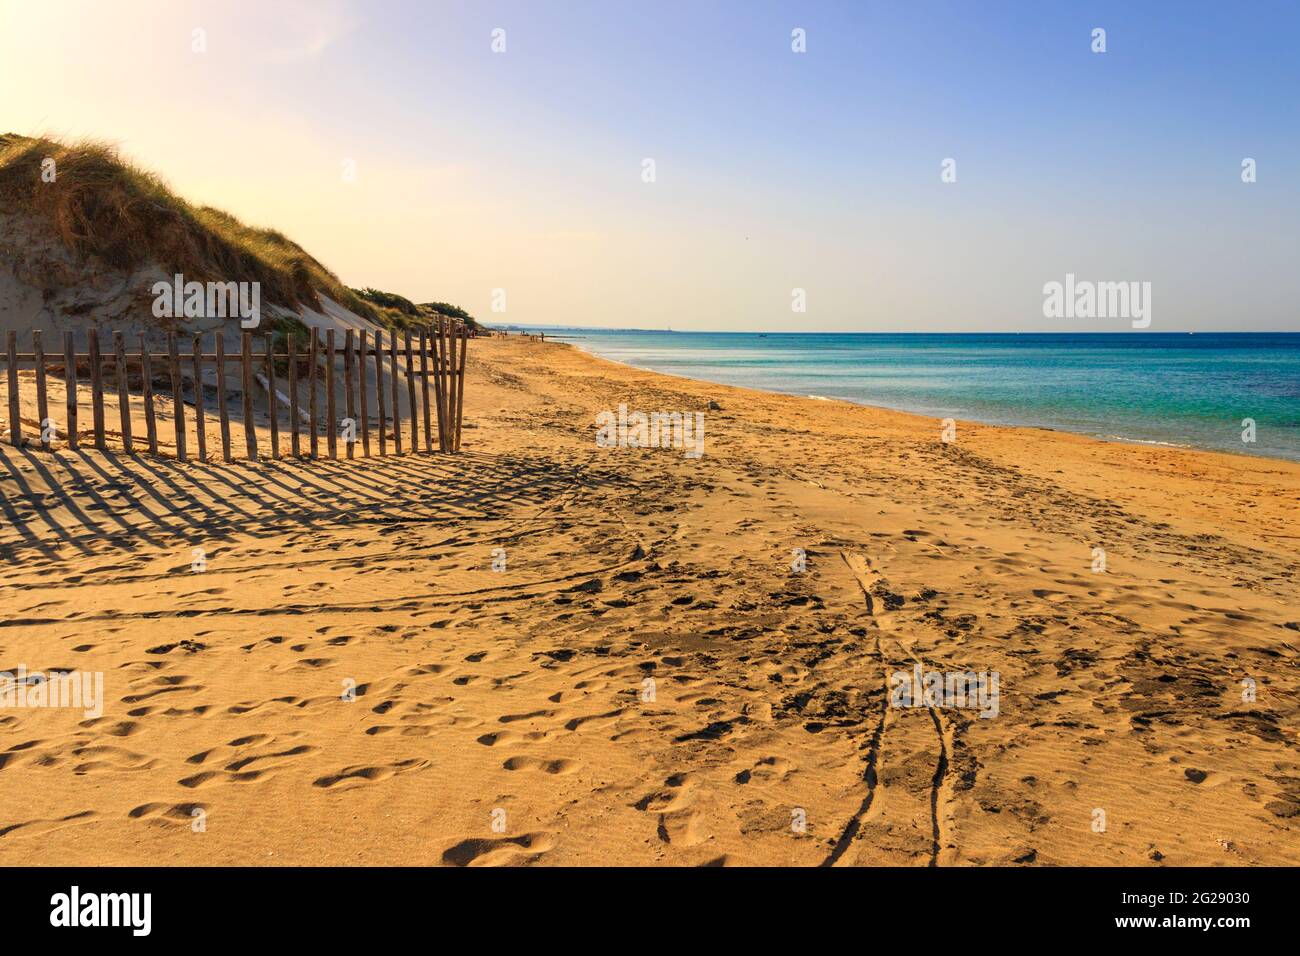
[(103, 206), (398, 312)]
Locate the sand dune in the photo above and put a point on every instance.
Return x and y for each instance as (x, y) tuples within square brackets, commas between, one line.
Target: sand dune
[(649, 680)]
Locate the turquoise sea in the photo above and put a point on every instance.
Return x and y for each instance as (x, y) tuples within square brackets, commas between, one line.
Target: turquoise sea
[(1158, 388)]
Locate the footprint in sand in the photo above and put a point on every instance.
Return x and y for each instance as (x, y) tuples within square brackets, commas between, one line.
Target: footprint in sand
[(674, 795), (768, 768), (241, 765), (106, 758), (163, 812), (199, 779), (242, 762), (30, 828), (359, 775), (120, 728), (171, 685), (558, 767), (504, 851), (682, 828), (679, 823), (510, 737), (530, 715)]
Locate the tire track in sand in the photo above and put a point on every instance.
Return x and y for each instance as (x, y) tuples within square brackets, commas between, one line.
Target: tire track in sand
[(939, 790), (869, 774)]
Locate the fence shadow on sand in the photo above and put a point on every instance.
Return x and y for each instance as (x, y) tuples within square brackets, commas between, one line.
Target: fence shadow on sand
[(89, 503)]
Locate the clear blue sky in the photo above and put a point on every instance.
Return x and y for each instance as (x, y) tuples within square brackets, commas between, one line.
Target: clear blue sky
[(775, 170)]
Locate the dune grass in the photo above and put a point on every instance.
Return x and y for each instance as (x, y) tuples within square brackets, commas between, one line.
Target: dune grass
[(399, 312), (104, 207)]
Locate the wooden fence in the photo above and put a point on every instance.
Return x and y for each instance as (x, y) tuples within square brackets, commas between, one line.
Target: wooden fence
[(436, 402)]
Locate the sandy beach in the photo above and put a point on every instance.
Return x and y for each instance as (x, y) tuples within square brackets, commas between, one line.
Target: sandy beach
[(674, 660)]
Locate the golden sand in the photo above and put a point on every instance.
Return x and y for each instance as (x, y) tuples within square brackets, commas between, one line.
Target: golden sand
[(649, 680)]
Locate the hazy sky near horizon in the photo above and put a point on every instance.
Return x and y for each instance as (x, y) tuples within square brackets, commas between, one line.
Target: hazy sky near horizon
[(774, 170)]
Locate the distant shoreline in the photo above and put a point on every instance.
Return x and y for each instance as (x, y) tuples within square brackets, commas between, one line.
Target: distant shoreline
[(1129, 401)]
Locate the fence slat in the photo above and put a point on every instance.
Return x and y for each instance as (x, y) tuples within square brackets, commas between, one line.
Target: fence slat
[(424, 389), (435, 380), (447, 392), (42, 401), (452, 378), (273, 400), (361, 391), (331, 406), (312, 408), (449, 379), (450, 334), (410, 393), (123, 394), (460, 382), (199, 425), (246, 375), (439, 386), (15, 408), (455, 380), (349, 401), (379, 392), (295, 446), (178, 396), (397, 407), (70, 384), (150, 416), (223, 410), (96, 386)]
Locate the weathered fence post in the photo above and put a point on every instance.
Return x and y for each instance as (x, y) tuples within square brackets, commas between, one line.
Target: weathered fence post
[(70, 383), (312, 405), (448, 382), (273, 408), (294, 425), (379, 392), (42, 402), (246, 374), (460, 382), (424, 389), (150, 417), (123, 393), (178, 396), (331, 406), (15, 406), (349, 402), (397, 407), (438, 399), (96, 387), (223, 411), (361, 391), (198, 398), (410, 393), (455, 378)]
